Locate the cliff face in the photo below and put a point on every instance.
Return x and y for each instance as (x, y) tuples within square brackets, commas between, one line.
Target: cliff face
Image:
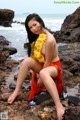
[(70, 29), (71, 26), (6, 17)]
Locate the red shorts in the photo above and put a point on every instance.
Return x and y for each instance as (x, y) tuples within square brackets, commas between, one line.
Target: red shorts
[(58, 81)]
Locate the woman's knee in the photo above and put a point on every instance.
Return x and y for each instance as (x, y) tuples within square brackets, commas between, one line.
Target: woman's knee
[(26, 61), (43, 73), (50, 71)]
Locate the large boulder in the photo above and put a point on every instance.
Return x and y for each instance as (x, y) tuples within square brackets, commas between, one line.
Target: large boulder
[(5, 50), (70, 29), (6, 17)]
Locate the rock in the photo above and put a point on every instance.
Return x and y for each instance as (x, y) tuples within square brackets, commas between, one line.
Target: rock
[(4, 90), (12, 86), (5, 96), (44, 115), (3, 41), (2, 78), (70, 59), (70, 29), (48, 109), (5, 50), (72, 113), (11, 50), (67, 74), (6, 17)]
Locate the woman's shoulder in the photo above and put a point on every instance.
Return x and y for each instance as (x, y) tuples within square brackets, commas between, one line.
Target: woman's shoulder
[(51, 38)]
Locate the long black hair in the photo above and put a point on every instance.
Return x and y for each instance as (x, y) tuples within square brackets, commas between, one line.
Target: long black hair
[(31, 36)]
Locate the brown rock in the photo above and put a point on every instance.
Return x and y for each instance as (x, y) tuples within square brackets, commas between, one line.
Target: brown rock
[(70, 29), (6, 17)]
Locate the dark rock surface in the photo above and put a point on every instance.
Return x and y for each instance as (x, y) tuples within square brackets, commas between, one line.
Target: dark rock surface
[(5, 50), (70, 58), (70, 29), (6, 17)]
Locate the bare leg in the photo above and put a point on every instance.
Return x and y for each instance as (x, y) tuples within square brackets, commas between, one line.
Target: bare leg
[(27, 64), (45, 76)]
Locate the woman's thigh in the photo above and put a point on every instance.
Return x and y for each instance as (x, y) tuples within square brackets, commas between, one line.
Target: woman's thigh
[(32, 64)]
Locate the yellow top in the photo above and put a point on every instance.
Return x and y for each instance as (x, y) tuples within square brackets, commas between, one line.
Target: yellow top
[(36, 48)]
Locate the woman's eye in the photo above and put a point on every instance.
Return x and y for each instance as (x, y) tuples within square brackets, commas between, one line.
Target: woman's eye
[(30, 27), (34, 24)]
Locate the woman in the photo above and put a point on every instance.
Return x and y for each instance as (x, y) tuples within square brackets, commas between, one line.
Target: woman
[(43, 60)]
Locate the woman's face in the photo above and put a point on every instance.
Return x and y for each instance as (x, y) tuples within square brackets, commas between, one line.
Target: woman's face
[(34, 26)]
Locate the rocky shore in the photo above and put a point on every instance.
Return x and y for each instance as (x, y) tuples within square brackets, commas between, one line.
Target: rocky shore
[(70, 58)]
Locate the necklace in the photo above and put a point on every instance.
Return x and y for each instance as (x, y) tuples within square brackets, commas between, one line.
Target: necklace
[(36, 48)]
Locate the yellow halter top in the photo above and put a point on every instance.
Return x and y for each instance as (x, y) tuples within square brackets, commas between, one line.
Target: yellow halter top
[(36, 48)]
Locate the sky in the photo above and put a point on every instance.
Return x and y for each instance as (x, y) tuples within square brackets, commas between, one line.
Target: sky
[(40, 6)]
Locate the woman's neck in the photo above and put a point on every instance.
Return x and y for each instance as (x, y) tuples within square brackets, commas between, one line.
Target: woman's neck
[(43, 30)]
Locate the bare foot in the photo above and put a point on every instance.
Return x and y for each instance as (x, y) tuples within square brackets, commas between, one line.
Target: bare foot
[(60, 112), (12, 97)]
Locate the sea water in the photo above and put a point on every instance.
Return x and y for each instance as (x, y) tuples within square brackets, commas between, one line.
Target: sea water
[(17, 34)]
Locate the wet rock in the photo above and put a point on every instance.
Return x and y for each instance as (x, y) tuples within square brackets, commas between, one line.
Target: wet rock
[(12, 86), (4, 89), (48, 109), (6, 17), (72, 113), (45, 115), (2, 78), (67, 75), (70, 29), (3, 41), (70, 58), (11, 50), (5, 50), (79, 88), (5, 96)]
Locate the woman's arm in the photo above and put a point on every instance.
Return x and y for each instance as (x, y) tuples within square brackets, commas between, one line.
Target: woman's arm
[(49, 48)]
